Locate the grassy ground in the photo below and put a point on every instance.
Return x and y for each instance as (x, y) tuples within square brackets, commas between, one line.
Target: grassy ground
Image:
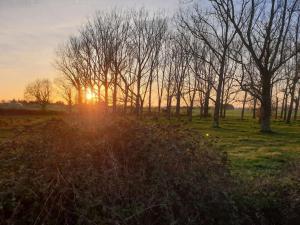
[(13, 125), (250, 152)]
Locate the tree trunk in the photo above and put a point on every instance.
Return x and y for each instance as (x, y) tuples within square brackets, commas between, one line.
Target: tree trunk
[(266, 104), (276, 108), (190, 111), (79, 97), (85, 101), (296, 108), (115, 93), (254, 108), (201, 105), (224, 112), (178, 98), (244, 103), (150, 94), (285, 97), (159, 105), (291, 106), (222, 106), (206, 104), (126, 100), (285, 107), (106, 91), (169, 107), (282, 107), (201, 110), (99, 91), (216, 121), (138, 96), (142, 106)]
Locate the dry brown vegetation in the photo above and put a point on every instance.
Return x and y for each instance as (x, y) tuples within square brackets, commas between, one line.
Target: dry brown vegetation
[(123, 172)]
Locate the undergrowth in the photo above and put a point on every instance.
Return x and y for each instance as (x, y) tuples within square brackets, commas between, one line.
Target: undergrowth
[(122, 171)]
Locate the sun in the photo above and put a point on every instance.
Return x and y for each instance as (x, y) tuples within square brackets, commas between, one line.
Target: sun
[(89, 95)]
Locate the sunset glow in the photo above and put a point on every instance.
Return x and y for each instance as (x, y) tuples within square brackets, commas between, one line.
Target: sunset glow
[(32, 32), (90, 96)]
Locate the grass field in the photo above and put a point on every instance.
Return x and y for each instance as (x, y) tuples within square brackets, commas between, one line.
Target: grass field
[(251, 153), (13, 125)]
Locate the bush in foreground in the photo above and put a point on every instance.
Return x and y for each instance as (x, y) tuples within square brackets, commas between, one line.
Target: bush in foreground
[(123, 172), (270, 200)]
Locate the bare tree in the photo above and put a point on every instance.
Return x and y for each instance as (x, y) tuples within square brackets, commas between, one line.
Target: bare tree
[(215, 30), (263, 28), (296, 76), (68, 63), (120, 51), (180, 64), (65, 91), (146, 30), (39, 91), (164, 62)]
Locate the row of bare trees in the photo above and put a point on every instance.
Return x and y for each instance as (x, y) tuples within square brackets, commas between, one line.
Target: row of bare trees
[(229, 51)]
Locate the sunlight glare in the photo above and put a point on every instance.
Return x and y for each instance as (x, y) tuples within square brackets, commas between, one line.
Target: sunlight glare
[(89, 95)]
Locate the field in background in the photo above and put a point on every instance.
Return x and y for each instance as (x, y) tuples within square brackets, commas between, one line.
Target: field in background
[(250, 152), (11, 126)]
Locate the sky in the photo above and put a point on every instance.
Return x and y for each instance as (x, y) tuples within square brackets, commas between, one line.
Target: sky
[(31, 31)]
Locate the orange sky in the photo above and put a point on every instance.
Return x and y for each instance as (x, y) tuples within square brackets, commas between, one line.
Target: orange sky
[(31, 30)]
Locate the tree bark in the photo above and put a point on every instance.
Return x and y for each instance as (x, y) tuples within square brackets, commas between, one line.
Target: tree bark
[(178, 98), (138, 96), (150, 93), (266, 104), (282, 107), (291, 106), (206, 104), (276, 108), (244, 103), (222, 105), (254, 108), (297, 106), (115, 93), (216, 121), (285, 108), (126, 100), (159, 105), (190, 112), (106, 91)]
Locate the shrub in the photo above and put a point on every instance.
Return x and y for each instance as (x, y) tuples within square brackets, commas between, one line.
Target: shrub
[(270, 200), (117, 172)]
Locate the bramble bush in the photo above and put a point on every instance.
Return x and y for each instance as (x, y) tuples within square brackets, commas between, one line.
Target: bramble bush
[(120, 172)]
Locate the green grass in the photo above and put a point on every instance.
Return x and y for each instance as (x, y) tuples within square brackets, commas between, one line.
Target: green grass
[(252, 153)]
